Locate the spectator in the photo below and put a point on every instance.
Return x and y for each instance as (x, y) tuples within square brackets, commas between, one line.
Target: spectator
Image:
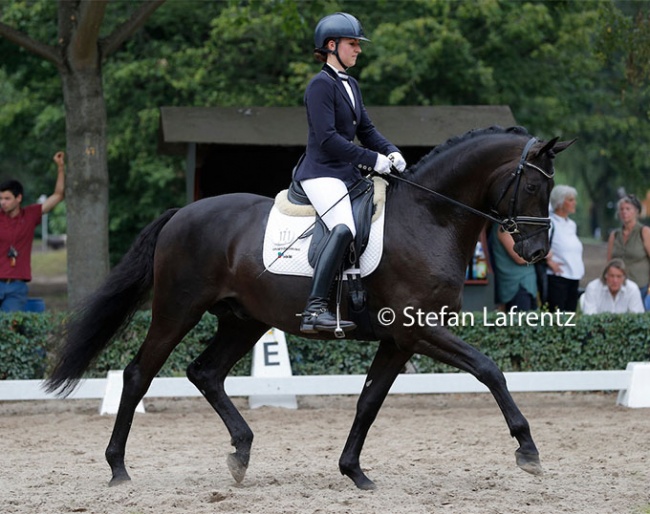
[(631, 243), (564, 261), (515, 280), (613, 292), (17, 226)]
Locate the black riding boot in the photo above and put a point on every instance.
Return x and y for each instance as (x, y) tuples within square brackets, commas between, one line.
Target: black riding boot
[(316, 316)]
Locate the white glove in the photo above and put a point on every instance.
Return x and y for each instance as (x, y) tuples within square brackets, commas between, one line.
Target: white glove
[(383, 164), (398, 161)]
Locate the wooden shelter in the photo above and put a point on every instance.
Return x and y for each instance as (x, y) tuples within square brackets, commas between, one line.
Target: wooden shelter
[(254, 149)]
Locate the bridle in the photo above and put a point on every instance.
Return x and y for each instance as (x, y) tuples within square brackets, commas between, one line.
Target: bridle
[(511, 222)]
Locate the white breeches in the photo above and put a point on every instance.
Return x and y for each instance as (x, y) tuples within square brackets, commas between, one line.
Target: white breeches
[(323, 192)]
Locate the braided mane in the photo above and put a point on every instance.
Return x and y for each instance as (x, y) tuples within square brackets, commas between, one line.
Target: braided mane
[(456, 140)]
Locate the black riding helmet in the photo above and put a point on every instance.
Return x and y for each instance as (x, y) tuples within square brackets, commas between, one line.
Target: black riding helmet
[(335, 26)]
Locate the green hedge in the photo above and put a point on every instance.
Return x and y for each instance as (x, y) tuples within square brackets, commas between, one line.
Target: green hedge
[(28, 342), (604, 341), (23, 344)]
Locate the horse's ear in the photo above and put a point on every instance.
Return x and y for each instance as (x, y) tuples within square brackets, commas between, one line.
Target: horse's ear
[(563, 145), (555, 147), (548, 147)]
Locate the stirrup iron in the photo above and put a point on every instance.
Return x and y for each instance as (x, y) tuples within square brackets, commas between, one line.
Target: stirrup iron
[(339, 333)]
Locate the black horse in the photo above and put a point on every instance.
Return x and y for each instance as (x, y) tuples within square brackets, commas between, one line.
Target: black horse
[(207, 256)]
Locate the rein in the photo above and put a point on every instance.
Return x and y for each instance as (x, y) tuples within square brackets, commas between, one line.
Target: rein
[(510, 223), (447, 199)]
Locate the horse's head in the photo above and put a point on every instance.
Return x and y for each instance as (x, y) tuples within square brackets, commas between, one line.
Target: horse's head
[(524, 198)]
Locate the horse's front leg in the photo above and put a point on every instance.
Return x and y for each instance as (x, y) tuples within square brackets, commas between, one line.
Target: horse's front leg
[(386, 365), (445, 347)]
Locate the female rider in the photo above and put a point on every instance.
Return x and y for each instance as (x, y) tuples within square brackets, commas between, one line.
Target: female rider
[(332, 161)]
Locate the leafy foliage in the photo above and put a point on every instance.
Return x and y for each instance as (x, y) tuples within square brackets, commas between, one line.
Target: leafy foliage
[(32, 120), (23, 345)]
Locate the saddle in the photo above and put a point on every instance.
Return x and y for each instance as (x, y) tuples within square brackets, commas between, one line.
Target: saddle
[(363, 209)]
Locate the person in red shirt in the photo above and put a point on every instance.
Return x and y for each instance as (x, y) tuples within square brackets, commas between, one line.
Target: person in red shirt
[(17, 226)]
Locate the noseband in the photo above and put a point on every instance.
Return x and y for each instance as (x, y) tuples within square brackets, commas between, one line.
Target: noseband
[(511, 222)]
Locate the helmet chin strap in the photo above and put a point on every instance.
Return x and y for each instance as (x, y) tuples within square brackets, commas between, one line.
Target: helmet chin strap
[(335, 53)]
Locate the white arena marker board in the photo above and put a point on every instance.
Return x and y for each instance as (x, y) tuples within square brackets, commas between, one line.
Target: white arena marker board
[(633, 384), (638, 392), (271, 360)]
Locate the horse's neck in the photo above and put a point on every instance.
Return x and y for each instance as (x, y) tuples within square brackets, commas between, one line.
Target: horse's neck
[(466, 186), (464, 176), (430, 220), (459, 169)]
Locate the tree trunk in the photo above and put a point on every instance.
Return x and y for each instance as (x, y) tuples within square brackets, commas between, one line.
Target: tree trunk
[(86, 182)]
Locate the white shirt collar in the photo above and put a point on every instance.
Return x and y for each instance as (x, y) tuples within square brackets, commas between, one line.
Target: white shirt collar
[(343, 75)]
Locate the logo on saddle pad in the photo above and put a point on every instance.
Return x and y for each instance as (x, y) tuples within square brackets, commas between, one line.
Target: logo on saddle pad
[(284, 237), (288, 237)]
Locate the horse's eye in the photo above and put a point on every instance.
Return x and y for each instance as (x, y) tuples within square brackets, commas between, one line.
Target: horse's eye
[(531, 188)]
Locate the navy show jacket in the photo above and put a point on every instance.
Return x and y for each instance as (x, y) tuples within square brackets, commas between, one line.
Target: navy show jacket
[(333, 124)]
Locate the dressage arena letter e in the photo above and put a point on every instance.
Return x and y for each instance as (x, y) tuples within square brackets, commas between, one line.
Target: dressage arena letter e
[(271, 348)]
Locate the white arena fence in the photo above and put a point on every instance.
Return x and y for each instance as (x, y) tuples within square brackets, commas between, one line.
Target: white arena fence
[(273, 384)]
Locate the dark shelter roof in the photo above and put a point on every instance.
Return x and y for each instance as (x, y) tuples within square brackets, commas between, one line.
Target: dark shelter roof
[(287, 126)]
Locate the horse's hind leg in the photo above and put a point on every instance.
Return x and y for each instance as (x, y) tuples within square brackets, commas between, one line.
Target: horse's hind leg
[(161, 339), (235, 337), (385, 367)]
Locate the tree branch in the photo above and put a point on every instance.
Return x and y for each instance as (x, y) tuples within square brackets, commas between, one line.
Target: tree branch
[(84, 44), (47, 52), (112, 42)]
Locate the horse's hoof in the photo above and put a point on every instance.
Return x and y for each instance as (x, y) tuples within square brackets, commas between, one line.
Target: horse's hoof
[(529, 463), (237, 467), (119, 479), (361, 481), (366, 484)]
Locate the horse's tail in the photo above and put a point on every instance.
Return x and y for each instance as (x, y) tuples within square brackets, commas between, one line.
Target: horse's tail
[(94, 325)]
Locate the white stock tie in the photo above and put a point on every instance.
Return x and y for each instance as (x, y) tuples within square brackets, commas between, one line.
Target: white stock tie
[(346, 84)]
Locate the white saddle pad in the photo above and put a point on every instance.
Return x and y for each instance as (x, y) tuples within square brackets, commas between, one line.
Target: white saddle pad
[(285, 252)]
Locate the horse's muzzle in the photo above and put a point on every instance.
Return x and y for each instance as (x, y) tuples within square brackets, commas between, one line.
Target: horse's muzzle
[(530, 251)]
